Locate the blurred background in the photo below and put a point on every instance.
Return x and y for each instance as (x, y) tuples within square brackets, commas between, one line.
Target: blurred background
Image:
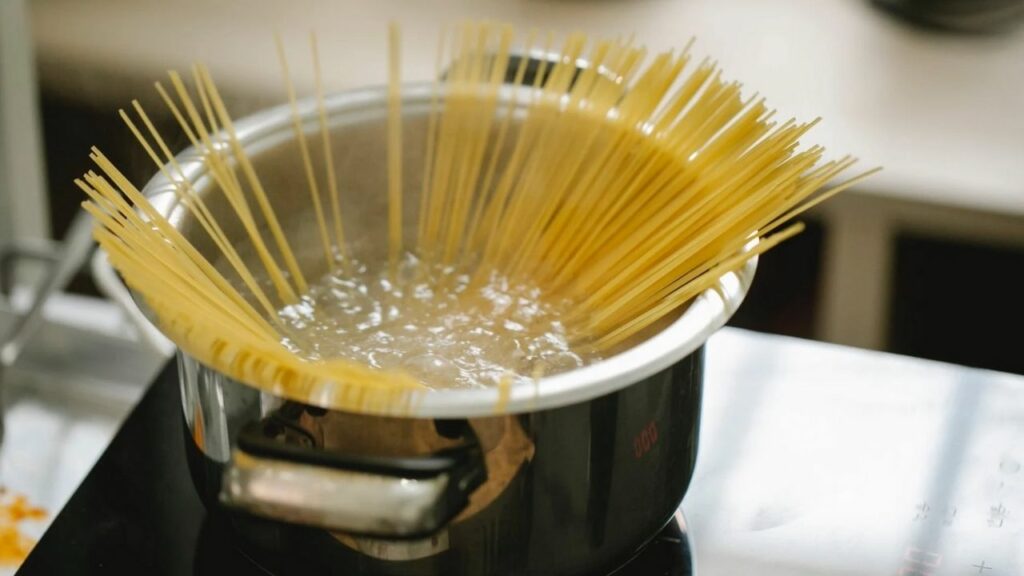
[(926, 259)]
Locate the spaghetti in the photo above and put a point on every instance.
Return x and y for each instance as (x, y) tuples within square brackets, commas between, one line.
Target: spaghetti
[(625, 188)]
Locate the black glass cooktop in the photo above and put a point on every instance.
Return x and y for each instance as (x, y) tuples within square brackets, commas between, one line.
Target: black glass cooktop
[(137, 513)]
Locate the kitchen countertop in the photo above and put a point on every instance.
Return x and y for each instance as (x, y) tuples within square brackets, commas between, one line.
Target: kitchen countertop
[(814, 459), (940, 112), (63, 401), (817, 459)]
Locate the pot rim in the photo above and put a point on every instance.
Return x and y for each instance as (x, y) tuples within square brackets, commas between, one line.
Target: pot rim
[(708, 312)]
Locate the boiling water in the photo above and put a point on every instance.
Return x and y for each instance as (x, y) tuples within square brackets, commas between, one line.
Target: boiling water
[(433, 323)]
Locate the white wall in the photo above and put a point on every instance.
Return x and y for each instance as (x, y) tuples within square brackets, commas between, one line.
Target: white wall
[(23, 200)]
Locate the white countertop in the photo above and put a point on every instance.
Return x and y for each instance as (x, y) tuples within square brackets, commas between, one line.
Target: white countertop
[(64, 401), (941, 113), (822, 460)]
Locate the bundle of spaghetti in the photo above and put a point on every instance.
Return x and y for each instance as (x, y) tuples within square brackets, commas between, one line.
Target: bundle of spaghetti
[(207, 317), (620, 193), (624, 186)]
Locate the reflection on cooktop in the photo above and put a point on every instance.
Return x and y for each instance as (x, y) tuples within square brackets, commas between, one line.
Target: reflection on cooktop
[(219, 551), (669, 554)]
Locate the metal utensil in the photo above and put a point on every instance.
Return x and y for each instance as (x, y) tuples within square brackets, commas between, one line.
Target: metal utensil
[(77, 247)]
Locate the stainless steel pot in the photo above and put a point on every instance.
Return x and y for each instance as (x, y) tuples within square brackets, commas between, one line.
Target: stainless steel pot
[(571, 476)]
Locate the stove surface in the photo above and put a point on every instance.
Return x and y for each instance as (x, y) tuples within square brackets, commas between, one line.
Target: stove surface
[(669, 554), (218, 552), (814, 460), (137, 513)]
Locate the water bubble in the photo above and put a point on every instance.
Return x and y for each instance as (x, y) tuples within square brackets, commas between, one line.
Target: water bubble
[(433, 368), (434, 322), (514, 326)]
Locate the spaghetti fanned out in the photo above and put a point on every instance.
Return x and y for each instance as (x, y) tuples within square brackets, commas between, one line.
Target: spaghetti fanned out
[(626, 187)]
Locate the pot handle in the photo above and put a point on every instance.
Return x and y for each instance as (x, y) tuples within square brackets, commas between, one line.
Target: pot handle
[(276, 472)]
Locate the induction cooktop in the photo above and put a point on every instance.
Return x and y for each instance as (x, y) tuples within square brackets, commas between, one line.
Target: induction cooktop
[(137, 513)]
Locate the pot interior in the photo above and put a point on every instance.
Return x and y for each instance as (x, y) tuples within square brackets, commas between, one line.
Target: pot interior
[(358, 130)]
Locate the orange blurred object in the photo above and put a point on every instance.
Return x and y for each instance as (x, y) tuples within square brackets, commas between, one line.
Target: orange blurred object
[(14, 510)]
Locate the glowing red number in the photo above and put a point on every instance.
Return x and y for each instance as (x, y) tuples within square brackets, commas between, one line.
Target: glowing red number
[(645, 440)]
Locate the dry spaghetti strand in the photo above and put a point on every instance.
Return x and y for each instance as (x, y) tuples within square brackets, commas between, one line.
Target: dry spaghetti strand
[(332, 177), (394, 147), (254, 183), (307, 160)]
